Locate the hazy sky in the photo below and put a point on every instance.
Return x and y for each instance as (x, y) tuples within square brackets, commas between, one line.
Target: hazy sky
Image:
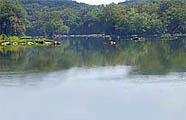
[(96, 2)]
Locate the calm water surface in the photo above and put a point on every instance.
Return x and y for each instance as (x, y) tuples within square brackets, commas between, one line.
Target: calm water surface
[(89, 79)]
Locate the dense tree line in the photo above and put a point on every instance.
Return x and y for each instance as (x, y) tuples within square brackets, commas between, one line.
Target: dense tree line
[(12, 18), (49, 17)]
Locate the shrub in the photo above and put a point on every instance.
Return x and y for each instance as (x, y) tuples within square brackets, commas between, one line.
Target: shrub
[(3, 37), (12, 39)]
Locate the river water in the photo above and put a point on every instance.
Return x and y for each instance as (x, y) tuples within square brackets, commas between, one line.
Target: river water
[(90, 79)]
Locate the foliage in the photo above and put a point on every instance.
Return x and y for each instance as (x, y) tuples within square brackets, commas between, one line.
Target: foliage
[(12, 18), (49, 24), (50, 18)]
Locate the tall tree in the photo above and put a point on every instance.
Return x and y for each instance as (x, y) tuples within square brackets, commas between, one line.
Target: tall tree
[(12, 18), (50, 24)]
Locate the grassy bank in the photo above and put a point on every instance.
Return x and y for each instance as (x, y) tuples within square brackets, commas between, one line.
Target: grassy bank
[(15, 41)]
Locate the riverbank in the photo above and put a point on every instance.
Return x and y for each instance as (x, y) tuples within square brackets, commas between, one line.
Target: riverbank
[(31, 41), (23, 41), (119, 36)]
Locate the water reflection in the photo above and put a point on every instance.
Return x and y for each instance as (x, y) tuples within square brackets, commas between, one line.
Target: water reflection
[(32, 65), (149, 57)]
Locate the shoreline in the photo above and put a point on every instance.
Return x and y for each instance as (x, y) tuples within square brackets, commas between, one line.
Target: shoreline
[(28, 42), (31, 41), (119, 36)]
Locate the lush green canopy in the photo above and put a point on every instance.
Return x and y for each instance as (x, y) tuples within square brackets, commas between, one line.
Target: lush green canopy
[(12, 18), (48, 18)]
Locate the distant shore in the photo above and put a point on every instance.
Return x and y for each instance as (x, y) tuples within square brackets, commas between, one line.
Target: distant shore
[(39, 40), (119, 36)]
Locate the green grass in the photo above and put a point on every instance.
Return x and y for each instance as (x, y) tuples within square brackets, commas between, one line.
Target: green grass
[(12, 39)]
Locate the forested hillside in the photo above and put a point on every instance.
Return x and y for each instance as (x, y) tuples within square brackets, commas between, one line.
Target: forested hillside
[(44, 0), (51, 17)]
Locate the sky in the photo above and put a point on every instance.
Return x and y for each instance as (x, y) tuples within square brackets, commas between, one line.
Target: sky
[(97, 2)]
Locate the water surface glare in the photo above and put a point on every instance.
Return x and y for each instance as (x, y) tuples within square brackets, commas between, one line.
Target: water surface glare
[(98, 93)]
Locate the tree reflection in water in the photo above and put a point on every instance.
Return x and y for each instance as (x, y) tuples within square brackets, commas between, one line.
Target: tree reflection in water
[(146, 57)]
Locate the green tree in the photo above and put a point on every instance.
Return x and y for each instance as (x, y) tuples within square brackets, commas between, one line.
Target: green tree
[(111, 15), (175, 16), (12, 18), (50, 24)]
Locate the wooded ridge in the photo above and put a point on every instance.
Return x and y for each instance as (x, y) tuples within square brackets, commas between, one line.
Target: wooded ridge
[(49, 18)]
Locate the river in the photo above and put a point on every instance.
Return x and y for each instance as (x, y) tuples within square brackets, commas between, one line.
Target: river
[(90, 79)]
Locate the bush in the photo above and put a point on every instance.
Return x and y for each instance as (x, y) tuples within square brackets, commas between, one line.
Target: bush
[(3, 37), (12, 39)]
